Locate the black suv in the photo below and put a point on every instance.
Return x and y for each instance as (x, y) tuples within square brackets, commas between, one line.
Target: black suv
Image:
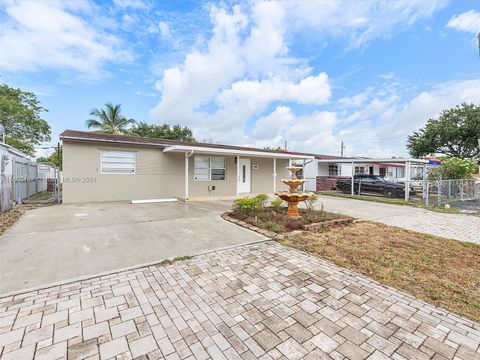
[(373, 184)]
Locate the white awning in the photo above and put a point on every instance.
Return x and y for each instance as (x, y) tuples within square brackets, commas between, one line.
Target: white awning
[(374, 160), (224, 151)]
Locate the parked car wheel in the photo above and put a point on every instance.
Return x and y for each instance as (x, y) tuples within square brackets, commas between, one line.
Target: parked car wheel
[(347, 189), (390, 193)]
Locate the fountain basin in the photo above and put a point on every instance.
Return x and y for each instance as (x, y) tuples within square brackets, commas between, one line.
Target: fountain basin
[(291, 182), (292, 197)]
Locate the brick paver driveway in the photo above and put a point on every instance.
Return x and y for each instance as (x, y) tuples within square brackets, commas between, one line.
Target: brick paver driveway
[(261, 301), (452, 226)]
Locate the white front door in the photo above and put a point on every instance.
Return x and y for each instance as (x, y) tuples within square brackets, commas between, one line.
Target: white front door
[(244, 177)]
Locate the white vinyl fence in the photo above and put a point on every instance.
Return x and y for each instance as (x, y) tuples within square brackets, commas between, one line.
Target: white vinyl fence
[(20, 177)]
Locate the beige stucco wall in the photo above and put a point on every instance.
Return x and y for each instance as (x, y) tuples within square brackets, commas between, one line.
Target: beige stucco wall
[(158, 175), (261, 178), (227, 187)]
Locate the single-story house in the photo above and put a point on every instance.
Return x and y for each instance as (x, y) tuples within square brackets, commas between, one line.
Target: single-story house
[(322, 172), (105, 167)]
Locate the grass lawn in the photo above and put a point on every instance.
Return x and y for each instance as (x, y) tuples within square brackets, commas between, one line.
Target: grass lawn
[(384, 200), (44, 195), (442, 272)]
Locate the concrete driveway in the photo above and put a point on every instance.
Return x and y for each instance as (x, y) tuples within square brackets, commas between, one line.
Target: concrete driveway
[(63, 242)]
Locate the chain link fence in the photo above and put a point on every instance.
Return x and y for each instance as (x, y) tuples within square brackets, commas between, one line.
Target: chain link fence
[(441, 192)]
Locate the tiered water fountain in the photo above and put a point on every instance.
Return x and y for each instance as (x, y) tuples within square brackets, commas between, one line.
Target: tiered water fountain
[(293, 196)]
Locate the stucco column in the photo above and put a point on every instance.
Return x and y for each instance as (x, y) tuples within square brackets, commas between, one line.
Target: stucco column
[(186, 176), (274, 175)]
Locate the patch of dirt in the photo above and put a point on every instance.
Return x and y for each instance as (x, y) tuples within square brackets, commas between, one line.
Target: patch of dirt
[(7, 219), (440, 271)]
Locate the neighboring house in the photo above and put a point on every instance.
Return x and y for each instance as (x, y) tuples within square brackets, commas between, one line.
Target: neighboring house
[(322, 173), (105, 167)]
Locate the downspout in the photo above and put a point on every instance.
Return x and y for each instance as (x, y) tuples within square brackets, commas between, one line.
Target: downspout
[(238, 172)]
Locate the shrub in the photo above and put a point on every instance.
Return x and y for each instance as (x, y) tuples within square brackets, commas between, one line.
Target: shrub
[(278, 228), (276, 203), (310, 202), (247, 206), (262, 198), (270, 225), (453, 168)]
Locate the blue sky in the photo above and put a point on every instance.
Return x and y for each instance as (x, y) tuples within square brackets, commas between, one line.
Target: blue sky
[(253, 73)]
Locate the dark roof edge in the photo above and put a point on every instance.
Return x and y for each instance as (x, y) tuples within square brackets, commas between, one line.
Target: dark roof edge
[(137, 140)]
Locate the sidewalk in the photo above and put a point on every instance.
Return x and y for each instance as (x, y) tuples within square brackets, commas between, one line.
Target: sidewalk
[(452, 226)]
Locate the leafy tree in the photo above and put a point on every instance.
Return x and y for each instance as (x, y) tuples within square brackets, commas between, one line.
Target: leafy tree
[(274, 148), (109, 120), (165, 131), (455, 133), (20, 114), (453, 168), (54, 158)]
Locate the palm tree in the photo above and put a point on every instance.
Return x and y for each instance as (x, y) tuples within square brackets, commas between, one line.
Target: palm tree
[(109, 120)]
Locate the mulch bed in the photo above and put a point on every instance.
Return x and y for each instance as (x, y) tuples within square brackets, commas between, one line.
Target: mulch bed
[(272, 221), (7, 219)]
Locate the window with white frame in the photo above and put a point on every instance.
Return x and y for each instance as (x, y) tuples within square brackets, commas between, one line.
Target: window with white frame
[(334, 170), (209, 168), (400, 172), (118, 162), (360, 170)]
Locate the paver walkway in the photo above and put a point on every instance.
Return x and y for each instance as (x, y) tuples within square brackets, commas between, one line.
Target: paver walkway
[(261, 301), (452, 226)]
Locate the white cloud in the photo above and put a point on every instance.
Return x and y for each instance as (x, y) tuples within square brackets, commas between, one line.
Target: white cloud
[(359, 21), (258, 94), (134, 4), (245, 87), (164, 30), (39, 35), (266, 40), (218, 90), (203, 73), (274, 124), (313, 132), (381, 127), (468, 21)]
